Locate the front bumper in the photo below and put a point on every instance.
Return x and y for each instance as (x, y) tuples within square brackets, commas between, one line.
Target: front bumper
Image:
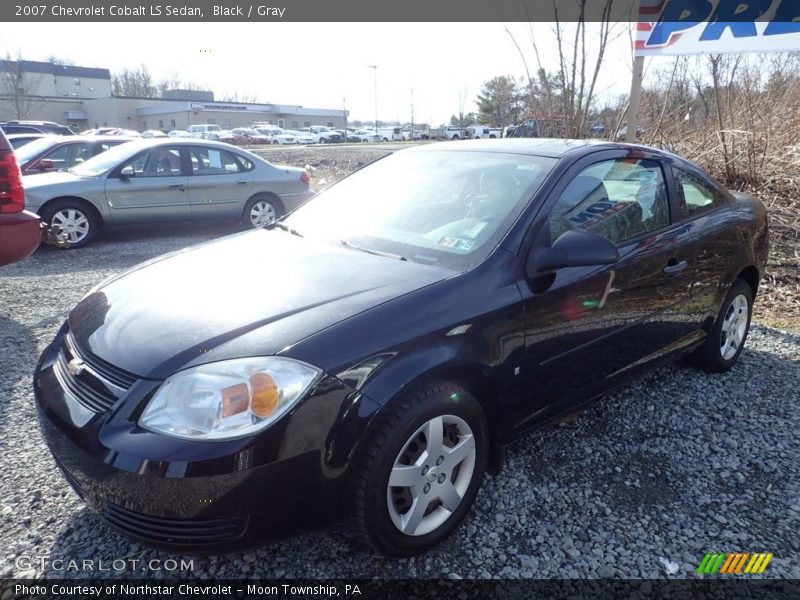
[(191, 496)]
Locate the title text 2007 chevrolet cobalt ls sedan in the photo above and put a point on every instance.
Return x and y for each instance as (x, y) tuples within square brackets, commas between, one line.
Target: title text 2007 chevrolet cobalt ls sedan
[(382, 343)]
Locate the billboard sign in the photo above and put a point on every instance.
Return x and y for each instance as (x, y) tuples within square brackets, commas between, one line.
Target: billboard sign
[(716, 27)]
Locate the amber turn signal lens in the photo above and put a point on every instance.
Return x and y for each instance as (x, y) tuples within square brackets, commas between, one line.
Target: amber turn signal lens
[(264, 395), (234, 400)]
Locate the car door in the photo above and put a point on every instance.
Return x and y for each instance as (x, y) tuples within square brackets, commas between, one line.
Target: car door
[(588, 327), (716, 240), (220, 183), (157, 190)]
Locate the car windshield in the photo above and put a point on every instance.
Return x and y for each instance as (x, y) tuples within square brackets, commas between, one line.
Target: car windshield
[(32, 149), (449, 208), (108, 160)]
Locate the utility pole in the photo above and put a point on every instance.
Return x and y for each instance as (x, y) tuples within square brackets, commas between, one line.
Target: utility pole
[(375, 75), (411, 137)]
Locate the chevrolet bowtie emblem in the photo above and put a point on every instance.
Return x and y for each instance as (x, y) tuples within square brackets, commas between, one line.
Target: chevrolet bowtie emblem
[(75, 367)]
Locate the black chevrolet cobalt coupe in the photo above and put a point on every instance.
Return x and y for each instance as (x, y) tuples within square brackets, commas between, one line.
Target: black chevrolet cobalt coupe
[(371, 353)]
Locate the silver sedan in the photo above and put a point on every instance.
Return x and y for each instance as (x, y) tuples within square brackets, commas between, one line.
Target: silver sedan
[(162, 180)]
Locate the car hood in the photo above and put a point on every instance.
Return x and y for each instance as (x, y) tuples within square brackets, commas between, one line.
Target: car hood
[(181, 309), (36, 180)]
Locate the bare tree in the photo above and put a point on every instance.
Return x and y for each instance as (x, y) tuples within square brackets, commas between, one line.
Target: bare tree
[(568, 93), (135, 83)]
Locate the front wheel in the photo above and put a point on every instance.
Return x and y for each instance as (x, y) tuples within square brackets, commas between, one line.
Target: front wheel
[(260, 211), (416, 477), (73, 217), (721, 349)]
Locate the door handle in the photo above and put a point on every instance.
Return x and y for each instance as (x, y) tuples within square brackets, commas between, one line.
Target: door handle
[(241, 182), (176, 186), (675, 267)]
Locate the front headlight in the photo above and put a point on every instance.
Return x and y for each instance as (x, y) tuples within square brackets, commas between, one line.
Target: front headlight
[(228, 399)]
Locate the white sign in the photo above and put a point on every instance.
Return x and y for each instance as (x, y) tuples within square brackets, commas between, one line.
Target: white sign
[(717, 27)]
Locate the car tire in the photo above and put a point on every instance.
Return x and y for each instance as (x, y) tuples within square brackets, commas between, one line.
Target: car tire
[(322, 140), (261, 210), (75, 218), (275, 142), (407, 520), (721, 349)]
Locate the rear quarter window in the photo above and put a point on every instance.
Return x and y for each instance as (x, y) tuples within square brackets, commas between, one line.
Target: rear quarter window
[(695, 194)]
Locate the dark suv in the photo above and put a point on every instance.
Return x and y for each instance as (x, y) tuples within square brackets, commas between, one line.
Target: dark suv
[(10, 127), (20, 231)]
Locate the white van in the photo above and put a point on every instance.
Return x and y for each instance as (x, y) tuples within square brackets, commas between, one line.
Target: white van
[(202, 130), (390, 134), (484, 132)]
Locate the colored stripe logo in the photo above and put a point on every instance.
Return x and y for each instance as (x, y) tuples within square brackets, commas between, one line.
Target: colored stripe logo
[(734, 563)]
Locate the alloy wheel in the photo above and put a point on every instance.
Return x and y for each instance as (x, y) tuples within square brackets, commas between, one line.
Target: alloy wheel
[(734, 327)]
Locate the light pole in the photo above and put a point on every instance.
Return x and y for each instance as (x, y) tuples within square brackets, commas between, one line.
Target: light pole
[(375, 75)]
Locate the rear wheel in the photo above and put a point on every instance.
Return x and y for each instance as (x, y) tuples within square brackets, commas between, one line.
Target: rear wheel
[(75, 219), (417, 476), (721, 349), (260, 211)]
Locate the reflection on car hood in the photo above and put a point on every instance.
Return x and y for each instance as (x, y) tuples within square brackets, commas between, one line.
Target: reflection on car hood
[(37, 180), (155, 319)]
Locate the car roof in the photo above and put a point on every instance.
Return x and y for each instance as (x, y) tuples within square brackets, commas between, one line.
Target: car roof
[(549, 147)]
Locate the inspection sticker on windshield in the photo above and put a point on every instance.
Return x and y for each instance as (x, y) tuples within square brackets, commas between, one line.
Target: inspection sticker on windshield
[(456, 243)]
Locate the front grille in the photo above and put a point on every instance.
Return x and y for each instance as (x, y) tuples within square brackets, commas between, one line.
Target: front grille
[(108, 371), (176, 531), (97, 385)]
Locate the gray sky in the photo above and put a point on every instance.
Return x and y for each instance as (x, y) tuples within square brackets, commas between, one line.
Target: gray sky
[(319, 64)]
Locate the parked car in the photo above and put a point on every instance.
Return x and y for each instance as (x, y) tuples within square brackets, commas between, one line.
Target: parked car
[(173, 179), (277, 135), (302, 137), (49, 127), (153, 133), (55, 152), (18, 140), (623, 132), (223, 135), (363, 135), (374, 350), (178, 133), (390, 134), (19, 229), (248, 136), (201, 130), (130, 133), (322, 135), (452, 132)]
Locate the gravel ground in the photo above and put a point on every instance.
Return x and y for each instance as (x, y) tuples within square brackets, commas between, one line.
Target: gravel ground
[(642, 484)]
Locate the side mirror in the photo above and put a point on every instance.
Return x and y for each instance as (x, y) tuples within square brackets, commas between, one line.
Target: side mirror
[(573, 248), (45, 164), (127, 172)]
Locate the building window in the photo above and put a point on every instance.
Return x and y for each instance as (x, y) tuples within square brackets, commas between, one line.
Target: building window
[(161, 124), (330, 123), (172, 122), (295, 124), (281, 123), (212, 121), (226, 122), (144, 124), (306, 123)]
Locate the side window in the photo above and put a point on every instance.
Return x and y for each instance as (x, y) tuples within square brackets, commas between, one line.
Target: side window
[(618, 199), (212, 161), (161, 161), (694, 194)]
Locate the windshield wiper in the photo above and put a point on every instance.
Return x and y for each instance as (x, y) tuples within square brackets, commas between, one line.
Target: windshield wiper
[(283, 226), (347, 244)]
